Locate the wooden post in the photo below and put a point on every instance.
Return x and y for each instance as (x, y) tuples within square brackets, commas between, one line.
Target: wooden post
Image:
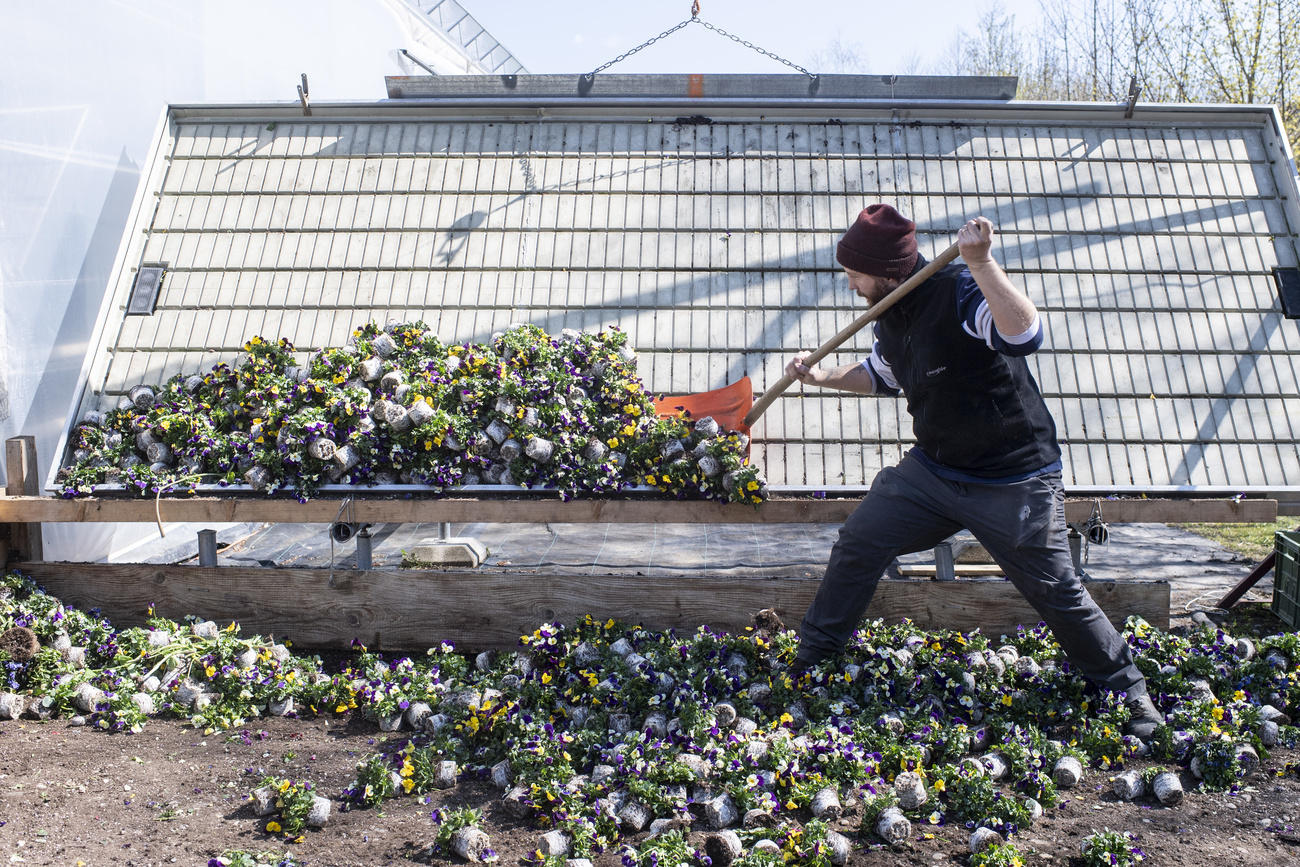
[(20, 465)]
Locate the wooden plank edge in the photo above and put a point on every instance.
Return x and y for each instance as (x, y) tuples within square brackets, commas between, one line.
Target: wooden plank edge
[(415, 609), (581, 511)]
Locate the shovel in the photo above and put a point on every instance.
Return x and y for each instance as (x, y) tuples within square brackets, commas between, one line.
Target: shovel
[(873, 313), (733, 406)]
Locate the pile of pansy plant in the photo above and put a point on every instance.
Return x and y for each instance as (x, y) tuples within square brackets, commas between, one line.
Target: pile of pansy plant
[(396, 406), (610, 737)]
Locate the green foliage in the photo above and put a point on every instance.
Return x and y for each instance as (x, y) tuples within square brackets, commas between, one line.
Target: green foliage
[(1107, 848), (569, 414), (998, 855), (293, 802), (663, 849)]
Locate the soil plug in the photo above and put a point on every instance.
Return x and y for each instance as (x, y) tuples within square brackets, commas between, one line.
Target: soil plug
[(186, 693), (1201, 691), (983, 838), (1067, 772), (1268, 733), (1244, 648), (1035, 809), (723, 847), (721, 813), (724, 714), (368, 369), (1248, 759), (470, 843), (87, 698), (892, 724), (383, 344), (76, 656), (910, 789), (767, 847), (893, 827), (1168, 788), (445, 777), (554, 844), (515, 802), (578, 862), (258, 478), (264, 801), (246, 658), (280, 706), (319, 813), (11, 705), (1026, 666), (540, 450), (826, 804), (656, 723), (206, 629), (840, 847), (417, 713), (144, 703), (346, 458), (971, 767), (1128, 785), (634, 816), (322, 448), (1272, 714), (390, 722), (143, 397), (995, 765)]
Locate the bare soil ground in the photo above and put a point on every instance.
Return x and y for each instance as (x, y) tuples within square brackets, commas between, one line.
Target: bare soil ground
[(171, 795)]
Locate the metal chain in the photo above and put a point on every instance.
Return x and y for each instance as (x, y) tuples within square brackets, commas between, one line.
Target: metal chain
[(762, 51), (695, 19)]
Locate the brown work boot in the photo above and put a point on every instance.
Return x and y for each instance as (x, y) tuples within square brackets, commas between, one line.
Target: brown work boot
[(1143, 717)]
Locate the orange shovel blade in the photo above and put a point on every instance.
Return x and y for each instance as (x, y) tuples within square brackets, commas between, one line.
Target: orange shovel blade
[(728, 405)]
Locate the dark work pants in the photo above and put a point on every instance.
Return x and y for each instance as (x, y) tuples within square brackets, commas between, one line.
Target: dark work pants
[(1022, 525)]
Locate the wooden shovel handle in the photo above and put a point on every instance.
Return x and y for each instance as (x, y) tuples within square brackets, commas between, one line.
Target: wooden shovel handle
[(873, 313)]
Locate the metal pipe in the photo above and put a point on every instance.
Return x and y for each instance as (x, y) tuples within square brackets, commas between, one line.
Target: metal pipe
[(364, 550), (207, 547)]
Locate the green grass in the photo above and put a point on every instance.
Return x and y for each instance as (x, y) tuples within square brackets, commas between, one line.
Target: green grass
[(1254, 541)]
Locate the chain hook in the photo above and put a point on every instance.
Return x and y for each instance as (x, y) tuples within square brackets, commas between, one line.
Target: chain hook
[(695, 9)]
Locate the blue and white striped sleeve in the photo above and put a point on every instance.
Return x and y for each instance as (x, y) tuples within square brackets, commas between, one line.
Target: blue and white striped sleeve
[(882, 375), (977, 321)]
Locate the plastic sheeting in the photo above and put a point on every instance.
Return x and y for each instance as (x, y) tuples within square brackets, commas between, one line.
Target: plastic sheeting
[(81, 93)]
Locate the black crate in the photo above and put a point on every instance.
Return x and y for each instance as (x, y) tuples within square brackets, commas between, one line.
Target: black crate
[(1286, 578)]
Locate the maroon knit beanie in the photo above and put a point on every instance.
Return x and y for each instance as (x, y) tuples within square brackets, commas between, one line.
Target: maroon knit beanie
[(881, 242)]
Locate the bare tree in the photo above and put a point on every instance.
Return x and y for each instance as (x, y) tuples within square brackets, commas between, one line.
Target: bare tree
[(838, 56), (1240, 51)]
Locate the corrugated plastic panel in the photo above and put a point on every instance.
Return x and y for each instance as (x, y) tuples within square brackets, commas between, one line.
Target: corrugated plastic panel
[(1146, 246)]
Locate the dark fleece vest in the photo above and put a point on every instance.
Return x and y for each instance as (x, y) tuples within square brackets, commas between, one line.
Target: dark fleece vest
[(973, 409)]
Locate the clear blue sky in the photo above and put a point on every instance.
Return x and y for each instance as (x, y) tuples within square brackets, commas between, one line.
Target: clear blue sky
[(562, 36)]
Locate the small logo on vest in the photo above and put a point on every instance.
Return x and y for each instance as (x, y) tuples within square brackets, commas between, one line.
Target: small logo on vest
[(936, 371)]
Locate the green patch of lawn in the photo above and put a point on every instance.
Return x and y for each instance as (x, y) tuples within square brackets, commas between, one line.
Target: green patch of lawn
[(1254, 541)]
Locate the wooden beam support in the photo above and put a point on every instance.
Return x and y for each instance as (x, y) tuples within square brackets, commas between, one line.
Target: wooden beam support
[(412, 610), (527, 509), (24, 541)]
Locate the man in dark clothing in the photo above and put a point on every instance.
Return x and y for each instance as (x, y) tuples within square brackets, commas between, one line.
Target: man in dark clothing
[(986, 457)]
